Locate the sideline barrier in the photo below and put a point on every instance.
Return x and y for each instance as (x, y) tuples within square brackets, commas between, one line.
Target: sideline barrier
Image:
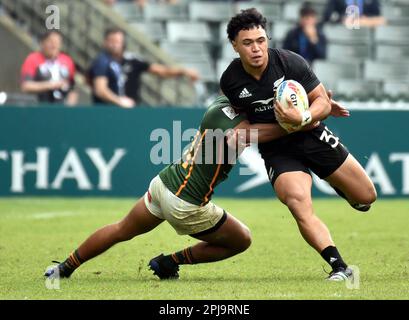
[(107, 151)]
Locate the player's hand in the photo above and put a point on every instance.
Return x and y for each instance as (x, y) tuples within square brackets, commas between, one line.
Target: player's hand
[(291, 115), (126, 102), (237, 139), (337, 110)]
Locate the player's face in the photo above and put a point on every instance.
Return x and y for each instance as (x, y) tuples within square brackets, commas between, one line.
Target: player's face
[(51, 46), (114, 44), (252, 46)]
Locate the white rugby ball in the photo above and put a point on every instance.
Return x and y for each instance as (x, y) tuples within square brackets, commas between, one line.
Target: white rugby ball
[(296, 93)]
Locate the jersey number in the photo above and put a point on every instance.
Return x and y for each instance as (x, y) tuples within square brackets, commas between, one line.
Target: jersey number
[(327, 136)]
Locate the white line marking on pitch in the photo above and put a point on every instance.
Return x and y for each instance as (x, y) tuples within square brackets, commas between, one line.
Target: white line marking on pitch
[(50, 215)]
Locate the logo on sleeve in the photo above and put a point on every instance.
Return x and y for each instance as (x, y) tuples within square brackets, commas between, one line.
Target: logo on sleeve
[(229, 112), (245, 94)]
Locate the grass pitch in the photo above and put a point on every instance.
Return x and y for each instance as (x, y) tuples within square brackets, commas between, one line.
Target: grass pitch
[(278, 265)]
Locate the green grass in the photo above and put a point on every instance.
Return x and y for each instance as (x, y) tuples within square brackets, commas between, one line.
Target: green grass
[(278, 265)]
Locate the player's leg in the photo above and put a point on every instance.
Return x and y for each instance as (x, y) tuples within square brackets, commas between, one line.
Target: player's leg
[(231, 238), (138, 221), (294, 190), (225, 238), (330, 160), (351, 182)]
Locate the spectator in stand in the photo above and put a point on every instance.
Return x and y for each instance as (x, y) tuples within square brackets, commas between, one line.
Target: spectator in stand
[(369, 12), (307, 38), (115, 74), (49, 73)]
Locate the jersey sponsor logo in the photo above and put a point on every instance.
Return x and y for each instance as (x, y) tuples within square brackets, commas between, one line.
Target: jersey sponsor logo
[(265, 105), (245, 94), (264, 102), (229, 112)]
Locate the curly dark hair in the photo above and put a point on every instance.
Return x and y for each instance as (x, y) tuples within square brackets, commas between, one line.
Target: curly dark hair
[(245, 20)]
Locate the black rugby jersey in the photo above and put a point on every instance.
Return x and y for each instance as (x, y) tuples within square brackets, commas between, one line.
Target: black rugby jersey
[(256, 97)]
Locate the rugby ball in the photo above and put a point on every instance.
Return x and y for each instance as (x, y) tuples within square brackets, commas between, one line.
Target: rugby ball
[(296, 93)]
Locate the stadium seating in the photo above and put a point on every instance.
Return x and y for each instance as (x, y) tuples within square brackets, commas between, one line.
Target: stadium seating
[(186, 51), (341, 35), (271, 10), (154, 30), (129, 11), (383, 70), (392, 52), (396, 89), (392, 35), (328, 72), (397, 14), (341, 52), (351, 88), (163, 12), (194, 33), (211, 11), (197, 31)]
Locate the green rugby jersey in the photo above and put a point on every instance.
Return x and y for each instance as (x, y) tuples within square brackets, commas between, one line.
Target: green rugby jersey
[(206, 161)]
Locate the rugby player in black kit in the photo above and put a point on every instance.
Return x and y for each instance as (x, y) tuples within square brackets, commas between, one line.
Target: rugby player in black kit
[(250, 83)]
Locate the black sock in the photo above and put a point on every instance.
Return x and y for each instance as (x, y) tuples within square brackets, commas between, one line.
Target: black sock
[(72, 262), (183, 257), (332, 256)]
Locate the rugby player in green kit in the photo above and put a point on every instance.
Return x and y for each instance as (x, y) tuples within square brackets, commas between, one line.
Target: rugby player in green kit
[(181, 194)]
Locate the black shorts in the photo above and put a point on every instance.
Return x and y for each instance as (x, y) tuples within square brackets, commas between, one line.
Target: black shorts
[(318, 150)]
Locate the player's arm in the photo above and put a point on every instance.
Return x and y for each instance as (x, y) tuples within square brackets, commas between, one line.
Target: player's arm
[(260, 132), (297, 68), (245, 133)]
